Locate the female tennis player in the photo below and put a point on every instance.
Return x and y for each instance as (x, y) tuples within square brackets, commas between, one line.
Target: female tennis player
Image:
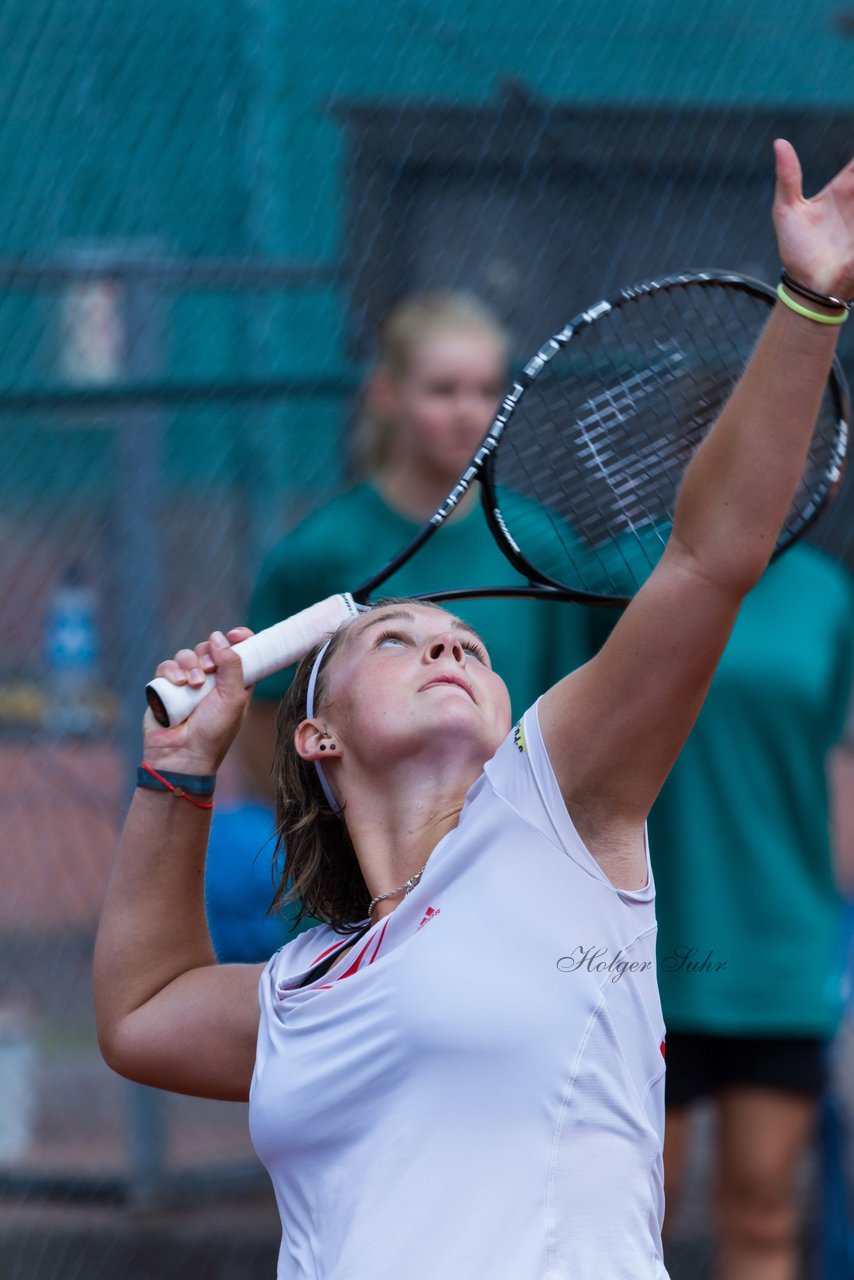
[(461, 1074)]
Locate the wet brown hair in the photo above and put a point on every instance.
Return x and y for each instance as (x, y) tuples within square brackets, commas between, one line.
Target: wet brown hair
[(315, 861)]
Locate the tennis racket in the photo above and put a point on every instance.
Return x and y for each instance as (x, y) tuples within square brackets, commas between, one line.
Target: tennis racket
[(580, 468)]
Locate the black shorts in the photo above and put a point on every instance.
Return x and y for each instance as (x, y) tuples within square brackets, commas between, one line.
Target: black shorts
[(701, 1065)]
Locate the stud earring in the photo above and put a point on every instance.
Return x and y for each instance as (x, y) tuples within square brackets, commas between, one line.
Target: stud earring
[(323, 746)]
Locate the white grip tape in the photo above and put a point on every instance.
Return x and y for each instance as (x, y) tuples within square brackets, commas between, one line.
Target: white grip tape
[(264, 653), (288, 641), (179, 700)]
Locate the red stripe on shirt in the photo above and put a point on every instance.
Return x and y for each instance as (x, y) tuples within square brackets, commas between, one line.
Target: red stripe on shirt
[(354, 966), (380, 937), (317, 959)]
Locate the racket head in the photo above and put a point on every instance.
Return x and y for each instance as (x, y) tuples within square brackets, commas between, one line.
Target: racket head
[(590, 445)]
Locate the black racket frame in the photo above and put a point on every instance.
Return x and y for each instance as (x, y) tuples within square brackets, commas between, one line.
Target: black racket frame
[(540, 585)]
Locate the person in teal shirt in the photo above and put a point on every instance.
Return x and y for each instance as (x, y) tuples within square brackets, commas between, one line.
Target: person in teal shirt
[(749, 956), (439, 376)]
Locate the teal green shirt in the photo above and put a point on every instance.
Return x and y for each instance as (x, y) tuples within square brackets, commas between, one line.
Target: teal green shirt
[(740, 835), (532, 643)]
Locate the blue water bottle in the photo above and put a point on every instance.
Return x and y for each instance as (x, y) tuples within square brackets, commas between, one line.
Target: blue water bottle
[(72, 655)]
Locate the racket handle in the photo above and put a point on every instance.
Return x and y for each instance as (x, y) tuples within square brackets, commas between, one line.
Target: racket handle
[(260, 656)]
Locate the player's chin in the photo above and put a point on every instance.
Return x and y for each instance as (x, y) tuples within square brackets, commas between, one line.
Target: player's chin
[(456, 716), (442, 687)]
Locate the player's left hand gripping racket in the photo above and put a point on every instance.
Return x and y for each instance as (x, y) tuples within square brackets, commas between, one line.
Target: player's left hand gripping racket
[(580, 469)]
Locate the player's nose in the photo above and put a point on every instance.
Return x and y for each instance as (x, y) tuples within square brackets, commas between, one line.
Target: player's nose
[(444, 645)]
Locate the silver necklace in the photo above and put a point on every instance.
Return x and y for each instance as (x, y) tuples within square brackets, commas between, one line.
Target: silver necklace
[(405, 888)]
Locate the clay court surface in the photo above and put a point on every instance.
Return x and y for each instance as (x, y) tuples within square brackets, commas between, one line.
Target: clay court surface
[(61, 807)]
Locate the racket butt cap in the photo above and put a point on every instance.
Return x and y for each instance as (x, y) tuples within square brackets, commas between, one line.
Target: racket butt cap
[(158, 708)]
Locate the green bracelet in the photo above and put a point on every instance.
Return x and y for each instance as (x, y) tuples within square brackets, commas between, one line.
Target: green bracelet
[(805, 311)]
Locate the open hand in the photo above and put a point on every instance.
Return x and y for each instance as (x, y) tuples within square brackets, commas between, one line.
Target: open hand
[(816, 236)]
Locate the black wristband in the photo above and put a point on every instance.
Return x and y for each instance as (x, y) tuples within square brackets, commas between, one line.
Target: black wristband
[(194, 784), (823, 299)]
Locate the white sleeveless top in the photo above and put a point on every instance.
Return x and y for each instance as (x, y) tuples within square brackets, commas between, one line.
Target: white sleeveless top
[(478, 1089)]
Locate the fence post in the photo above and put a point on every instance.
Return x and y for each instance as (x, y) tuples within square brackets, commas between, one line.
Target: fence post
[(112, 332), (139, 618)]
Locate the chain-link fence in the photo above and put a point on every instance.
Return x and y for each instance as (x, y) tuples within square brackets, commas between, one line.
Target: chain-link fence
[(208, 206)]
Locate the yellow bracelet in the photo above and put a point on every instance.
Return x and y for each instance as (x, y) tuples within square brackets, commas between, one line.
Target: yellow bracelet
[(805, 311)]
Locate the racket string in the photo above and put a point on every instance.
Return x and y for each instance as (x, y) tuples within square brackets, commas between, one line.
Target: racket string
[(586, 475)]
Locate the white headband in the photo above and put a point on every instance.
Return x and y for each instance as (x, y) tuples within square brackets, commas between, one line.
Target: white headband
[(309, 711)]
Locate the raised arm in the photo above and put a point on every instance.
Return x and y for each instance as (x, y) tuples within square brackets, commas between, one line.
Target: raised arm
[(614, 727), (168, 1015)]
